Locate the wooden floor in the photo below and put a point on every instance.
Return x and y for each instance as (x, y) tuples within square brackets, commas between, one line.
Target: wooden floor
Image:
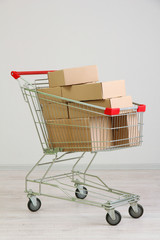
[(58, 219)]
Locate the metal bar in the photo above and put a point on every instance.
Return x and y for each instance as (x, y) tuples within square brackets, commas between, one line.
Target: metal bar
[(41, 126), (43, 121), (26, 178), (89, 166), (89, 191), (91, 203), (102, 185), (91, 175), (34, 122), (55, 176), (78, 102), (58, 161), (77, 161), (46, 173)]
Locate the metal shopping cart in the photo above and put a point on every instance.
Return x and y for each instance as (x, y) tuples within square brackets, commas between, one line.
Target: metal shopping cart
[(91, 129)]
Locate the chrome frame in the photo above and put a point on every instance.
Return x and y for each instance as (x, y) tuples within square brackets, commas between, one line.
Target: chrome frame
[(76, 177)]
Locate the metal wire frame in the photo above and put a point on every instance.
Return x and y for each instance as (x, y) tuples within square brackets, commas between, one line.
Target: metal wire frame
[(108, 199), (99, 126), (103, 196)]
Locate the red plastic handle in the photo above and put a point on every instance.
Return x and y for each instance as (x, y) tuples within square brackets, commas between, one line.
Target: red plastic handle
[(112, 111), (17, 74), (141, 108), (116, 111)]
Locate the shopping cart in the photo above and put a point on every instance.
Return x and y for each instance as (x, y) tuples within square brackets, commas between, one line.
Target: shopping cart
[(68, 130)]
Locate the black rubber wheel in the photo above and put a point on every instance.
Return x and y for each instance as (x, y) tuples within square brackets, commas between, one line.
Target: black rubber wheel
[(111, 221), (134, 214), (33, 208), (81, 195)]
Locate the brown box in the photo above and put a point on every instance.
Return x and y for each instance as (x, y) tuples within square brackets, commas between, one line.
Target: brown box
[(120, 102), (52, 108), (53, 111), (125, 130), (80, 134), (72, 76), (133, 129), (53, 91), (95, 91)]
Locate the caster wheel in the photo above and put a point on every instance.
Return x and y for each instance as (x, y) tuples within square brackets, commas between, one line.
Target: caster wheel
[(134, 214), (33, 208), (111, 221), (81, 195)]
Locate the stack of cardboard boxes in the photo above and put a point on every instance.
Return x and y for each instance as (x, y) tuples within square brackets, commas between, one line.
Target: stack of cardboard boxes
[(75, 127)]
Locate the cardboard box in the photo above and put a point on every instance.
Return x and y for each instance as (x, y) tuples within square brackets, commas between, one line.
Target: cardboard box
[(77, 110), (53, 111), (57, 91), (95, 91), (125, 130), (133, 129), (72, 76), (80, 134), (52, 108), (120, 131)]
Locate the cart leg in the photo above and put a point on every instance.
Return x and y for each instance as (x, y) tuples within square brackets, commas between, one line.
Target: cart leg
[(80, 188), (33, 199), (73, 168), (94, 155), (86, 169), (112, 214), (113, 217), (32, 169), (81, 191), (48, 169), (135, 210), (134, 207), (34, 203)]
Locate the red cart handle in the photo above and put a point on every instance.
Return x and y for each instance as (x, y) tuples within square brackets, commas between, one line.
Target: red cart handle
[(16, 75), (116, 111)]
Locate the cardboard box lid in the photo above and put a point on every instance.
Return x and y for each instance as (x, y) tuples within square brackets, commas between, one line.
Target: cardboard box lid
[(95, 91), (119, 102), (73, 76)]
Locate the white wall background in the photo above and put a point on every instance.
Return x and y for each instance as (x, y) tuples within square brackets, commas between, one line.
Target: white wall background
[(122, 37)]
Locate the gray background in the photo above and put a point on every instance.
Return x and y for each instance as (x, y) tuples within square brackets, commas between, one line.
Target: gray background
[(122, 37)]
